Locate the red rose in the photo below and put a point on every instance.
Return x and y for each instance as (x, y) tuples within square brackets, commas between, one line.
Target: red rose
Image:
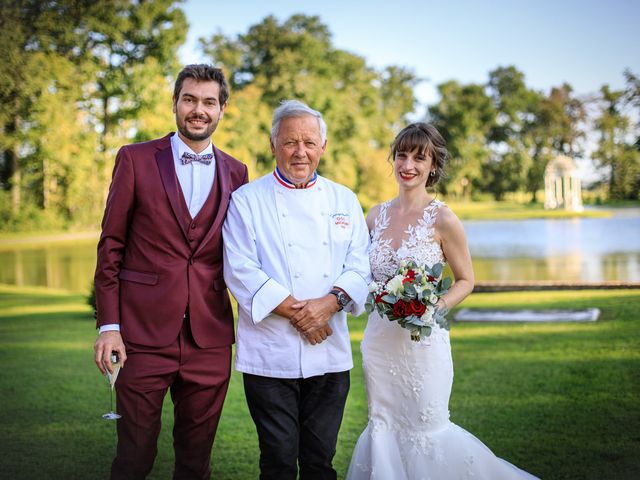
[(430, 278), (409, 277), (417, 307), (401, 309), (379, 297)]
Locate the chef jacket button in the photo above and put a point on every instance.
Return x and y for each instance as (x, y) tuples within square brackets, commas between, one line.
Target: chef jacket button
[(325, 275), (297, 275), (284, 214), (290, 244), (325, 242)]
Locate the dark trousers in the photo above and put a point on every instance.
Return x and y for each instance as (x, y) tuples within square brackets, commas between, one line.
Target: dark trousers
[(297, 422), (197, 378)]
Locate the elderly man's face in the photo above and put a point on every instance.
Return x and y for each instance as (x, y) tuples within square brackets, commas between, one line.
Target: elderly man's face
[(298, 148)]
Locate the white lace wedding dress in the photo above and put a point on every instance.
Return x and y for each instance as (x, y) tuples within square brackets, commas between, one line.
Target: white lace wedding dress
[(409, 435)]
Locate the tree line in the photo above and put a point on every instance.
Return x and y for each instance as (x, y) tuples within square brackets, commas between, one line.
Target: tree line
[(82, 78)]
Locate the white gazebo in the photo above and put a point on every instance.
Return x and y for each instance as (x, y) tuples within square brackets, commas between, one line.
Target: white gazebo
[(562, 185)]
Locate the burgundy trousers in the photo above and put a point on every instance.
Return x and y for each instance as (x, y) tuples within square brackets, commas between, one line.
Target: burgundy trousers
[(198, 379)]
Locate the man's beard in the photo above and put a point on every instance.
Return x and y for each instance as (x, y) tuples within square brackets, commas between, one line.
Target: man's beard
[(196, 137)]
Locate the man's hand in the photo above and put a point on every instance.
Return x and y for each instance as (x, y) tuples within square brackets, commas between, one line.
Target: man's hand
[(107, 342), (289, 307), (315, 314), (319, 335)]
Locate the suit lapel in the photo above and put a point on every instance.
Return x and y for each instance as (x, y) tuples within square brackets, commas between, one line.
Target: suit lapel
[(224, 182), (164, 159)]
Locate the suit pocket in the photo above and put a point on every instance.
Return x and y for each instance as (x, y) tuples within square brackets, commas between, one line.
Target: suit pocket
[(218, 284), (138, 277)]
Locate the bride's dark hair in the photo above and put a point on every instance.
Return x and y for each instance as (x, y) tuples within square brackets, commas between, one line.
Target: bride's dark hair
[(426, 139)]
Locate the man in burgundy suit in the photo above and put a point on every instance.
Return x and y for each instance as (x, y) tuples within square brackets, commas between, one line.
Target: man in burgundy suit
[(162, 303)]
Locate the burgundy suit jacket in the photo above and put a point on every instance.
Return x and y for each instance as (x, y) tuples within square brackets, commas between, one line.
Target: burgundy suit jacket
[(147, 273)]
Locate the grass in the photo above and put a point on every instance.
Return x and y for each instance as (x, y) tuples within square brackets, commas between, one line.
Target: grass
[(559, 400), (509, 210)]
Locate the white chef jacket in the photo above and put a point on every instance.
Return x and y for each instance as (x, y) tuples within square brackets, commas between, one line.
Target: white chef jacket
[(301, 242)]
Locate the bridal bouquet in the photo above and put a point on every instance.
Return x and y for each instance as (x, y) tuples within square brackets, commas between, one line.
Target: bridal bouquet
[(410, 296)]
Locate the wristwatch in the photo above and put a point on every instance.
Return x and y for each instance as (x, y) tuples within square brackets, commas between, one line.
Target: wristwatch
[(343, 299)]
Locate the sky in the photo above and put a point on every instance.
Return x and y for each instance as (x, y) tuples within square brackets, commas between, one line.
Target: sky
[(585, 43)]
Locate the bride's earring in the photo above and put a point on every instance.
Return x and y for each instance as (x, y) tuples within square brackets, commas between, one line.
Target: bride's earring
[(433, 173)]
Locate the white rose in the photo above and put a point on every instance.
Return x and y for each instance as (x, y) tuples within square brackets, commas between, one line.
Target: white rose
[(373, 287), (395, 284), (433, 299), (427, 316)]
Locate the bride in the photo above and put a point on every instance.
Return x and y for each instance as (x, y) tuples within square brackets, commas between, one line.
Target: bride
[(409, 435)]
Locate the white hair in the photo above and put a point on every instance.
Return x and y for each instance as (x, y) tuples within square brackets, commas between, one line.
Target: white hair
[(295, 108)]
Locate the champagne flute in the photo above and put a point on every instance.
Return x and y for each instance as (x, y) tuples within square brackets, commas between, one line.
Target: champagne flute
[(111, 378)]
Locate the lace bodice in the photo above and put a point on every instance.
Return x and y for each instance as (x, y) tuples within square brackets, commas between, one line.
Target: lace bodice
[(419, 245)]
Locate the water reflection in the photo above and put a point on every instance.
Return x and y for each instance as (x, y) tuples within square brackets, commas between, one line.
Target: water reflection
[(68, 266), (576, 250), (571, 250)]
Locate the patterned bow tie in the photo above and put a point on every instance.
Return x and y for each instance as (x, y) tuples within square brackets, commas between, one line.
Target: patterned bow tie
[(187, 158)]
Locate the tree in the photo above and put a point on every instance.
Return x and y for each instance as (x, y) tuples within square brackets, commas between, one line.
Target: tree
[(616, 150), (515, 165), (39, 57), (132, 50), (79, 78), (465, 116), (295, 59)]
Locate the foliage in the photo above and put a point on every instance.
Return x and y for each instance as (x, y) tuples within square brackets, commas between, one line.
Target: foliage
[(410, 298), (501, 134), (562, 397), (618, 147), (81, 78), (295, 59)]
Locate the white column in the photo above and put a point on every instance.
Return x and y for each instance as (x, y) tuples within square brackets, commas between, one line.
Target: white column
[(559, 192)]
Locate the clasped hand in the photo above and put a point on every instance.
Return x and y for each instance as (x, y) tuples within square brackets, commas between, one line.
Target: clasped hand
[(312, 318)]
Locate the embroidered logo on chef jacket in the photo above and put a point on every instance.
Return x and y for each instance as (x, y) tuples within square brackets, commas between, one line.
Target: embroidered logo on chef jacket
[(341, 220)]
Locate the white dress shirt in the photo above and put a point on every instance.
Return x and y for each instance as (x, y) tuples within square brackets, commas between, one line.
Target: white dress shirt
[(196, 181), (301, 242), (196, 178)]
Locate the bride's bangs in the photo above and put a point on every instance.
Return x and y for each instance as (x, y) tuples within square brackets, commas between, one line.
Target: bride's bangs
[(411, 140)]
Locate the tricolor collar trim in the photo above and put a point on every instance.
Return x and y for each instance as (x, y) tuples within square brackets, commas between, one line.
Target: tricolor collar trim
[(288, 184)]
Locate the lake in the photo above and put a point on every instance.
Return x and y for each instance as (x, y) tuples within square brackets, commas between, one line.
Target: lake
[(571, 250)]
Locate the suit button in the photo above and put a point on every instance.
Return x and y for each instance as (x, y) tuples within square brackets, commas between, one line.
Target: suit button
[(193, 226)]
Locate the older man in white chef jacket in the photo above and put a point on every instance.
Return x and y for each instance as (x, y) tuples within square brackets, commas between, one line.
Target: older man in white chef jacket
[(295, 259)]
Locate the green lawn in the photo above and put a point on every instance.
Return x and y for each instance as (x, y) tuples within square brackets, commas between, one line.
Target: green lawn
[(509, 210), (559, 400)]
